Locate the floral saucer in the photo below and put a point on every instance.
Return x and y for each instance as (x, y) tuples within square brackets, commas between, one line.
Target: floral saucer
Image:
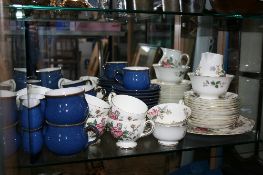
[(242, 125)]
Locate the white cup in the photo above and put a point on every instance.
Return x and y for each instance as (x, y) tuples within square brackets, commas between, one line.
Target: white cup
[(211, 65)]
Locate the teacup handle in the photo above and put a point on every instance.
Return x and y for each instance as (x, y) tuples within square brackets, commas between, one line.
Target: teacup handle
[(148, 131), (95, 130), (60, 82), (111, 95), (102, 91), (89, 82), (118, 74), (13, 84), (187, 57)]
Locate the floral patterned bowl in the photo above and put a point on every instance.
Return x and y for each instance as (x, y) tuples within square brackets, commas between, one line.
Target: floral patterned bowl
[(169, 113), (210, 87), (170, 74)]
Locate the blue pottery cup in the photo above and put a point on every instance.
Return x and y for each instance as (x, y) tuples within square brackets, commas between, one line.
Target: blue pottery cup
[(66, 106), (40, 97), (33, 140), (19, 76), (31, 116), (11, 139), (134, 78), (111, 68), (68, 139), (8, 110), (49, 77)]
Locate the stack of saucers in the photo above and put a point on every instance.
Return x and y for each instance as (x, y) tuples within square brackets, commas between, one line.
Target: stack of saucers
[(213, 113), (149, 96), (172, 92)]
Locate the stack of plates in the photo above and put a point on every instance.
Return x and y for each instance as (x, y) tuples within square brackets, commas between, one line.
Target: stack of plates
[(215, 114), (171, 92), (149, 96), (107, 84)]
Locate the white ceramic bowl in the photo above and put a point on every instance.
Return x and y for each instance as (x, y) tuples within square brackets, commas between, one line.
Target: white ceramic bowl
[(169, 113), (169, 135), (172, 75), (210, 87)]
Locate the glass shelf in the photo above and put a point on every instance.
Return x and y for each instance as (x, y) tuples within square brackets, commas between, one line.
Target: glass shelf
[(205, 12), (107, 149)]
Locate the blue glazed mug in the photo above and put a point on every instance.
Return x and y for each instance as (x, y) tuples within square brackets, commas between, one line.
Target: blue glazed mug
[(8, 110), (40, 97), (111, 68), (19, 76), (68, 139), (33, 140), (11, 139), (31, 115), (49, 77), (66, 106), (134, 78)]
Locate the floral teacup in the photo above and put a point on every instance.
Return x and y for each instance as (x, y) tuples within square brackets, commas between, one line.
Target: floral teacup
[(127, 132), (97, 107), (99, 123), (211, 65)]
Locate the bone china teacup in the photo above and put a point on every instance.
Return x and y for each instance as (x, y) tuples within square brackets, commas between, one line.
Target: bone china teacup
[(134, 78), (97, 107), (66, 105), (127, 132), (125, 107)]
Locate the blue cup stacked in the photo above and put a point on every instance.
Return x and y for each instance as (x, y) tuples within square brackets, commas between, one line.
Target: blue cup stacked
[(65, 115)]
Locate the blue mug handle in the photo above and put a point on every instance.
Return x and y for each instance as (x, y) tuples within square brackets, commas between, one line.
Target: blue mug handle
[(95, 130), (118, 76), (89, 82)]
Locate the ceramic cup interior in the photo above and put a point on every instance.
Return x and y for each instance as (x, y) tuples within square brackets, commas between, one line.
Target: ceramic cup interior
[(64, 91)]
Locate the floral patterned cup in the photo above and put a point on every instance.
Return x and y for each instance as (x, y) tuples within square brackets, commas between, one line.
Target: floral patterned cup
[(172, 58), (127, 132), (126, 108), (211, 65), (97, 107), (99, 123)]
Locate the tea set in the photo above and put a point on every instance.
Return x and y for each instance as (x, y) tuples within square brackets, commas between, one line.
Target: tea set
[(67, 116)]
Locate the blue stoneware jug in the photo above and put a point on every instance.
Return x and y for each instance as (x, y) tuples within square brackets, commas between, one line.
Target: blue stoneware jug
[(66, 106), (19, 76), (31, 116), (68, 139)]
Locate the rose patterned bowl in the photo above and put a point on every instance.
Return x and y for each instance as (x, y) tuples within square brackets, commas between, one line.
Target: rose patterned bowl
[(170, 74), (169, 113), (127, 132), (210, 87), (169, 135)]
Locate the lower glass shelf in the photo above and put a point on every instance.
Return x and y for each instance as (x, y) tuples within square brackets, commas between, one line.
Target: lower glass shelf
[(107, 149)]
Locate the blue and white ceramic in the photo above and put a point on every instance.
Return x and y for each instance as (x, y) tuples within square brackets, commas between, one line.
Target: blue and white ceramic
[(110, 68), (40, 97), (76, 83), (33, 141), (68, 139), (19, 76), (49, 77), (66, 106), (8, 110), (11, 139), (9, 85), (134, 78), (31, 115)]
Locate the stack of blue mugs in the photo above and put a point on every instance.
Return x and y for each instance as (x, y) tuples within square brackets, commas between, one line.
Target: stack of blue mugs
[(65, 114)]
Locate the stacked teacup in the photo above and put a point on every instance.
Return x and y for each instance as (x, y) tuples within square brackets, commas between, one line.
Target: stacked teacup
[(65, 114), (170, 72), (212, 106), (127, 120)]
